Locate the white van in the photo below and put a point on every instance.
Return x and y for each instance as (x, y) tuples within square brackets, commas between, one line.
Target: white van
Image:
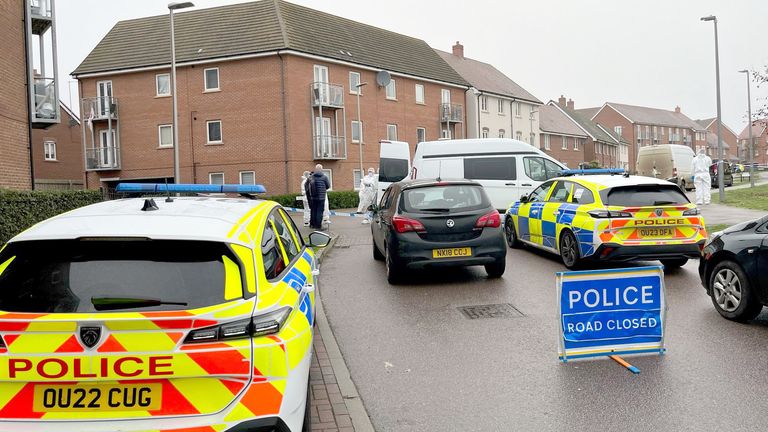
[(506, 168), (670, 162), (394, 164)]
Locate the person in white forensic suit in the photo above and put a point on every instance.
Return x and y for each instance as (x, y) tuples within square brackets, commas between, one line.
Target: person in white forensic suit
[(304, 202), (367, 194), (701, 178)]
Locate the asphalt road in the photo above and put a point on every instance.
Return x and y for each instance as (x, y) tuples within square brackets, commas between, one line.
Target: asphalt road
[(420, 365)]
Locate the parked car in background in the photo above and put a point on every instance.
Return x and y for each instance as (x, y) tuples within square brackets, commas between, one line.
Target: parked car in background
[(733, 269), (671, 162), (506, 168), (435, 223), (727, 175)]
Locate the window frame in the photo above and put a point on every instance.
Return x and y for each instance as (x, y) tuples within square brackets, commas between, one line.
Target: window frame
[(211, 174), (49, 156), (424, 136), (157, 85), (416, 88), (160, 136), (500, 106), (252, 172), (519, 135), (564, 143), (501, 133), (356, 181), (329, 173), (205, 80), (353, 89), (546, 142), (485, 133), (576, 144), (352, 131), (393, 85), (208, 132), (389, 128), (484, 103), (518, 109)]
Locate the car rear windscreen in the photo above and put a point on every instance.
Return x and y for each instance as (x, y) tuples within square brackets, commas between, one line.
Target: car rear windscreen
[(643, 195), (444, 198), (63, 276), (392, 170)]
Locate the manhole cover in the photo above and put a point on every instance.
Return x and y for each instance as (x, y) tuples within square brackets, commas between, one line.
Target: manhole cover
[(499, 310)]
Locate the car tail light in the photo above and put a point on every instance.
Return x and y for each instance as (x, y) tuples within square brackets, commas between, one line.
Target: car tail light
[(491, 220), (260, 325), (603, 214), (692, 212), (404, 225)]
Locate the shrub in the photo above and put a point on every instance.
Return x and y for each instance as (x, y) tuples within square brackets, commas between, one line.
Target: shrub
[(20, 210), (336, 200)]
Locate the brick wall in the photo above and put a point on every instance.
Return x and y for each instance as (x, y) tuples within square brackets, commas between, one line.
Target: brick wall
[(68, 165), (610, 118), (250, 106), (572, 158), (14, 119)]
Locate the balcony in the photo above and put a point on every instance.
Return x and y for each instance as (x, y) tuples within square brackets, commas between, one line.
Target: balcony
[(326, 95), (99, 108), (45, 108), (102, 158), (451, 113), (41, 13), (329, 147)]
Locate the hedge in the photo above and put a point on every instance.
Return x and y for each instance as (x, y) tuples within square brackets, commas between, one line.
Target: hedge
[(336, 199), (20, 210)]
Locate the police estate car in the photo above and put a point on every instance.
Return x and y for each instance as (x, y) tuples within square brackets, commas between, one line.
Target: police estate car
[(610, 217), (136, 315)]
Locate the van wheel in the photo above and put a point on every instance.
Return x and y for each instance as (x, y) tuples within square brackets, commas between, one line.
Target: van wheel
[(569, 250), (511, 234)]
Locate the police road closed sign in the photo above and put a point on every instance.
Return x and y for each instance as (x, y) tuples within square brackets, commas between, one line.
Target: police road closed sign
[(606, 312)]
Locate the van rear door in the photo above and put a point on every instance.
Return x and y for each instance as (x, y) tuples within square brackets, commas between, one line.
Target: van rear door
[(394, 164), (498, 175)]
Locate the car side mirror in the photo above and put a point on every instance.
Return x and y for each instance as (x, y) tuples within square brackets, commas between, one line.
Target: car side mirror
[(319, 239), (523, 199)]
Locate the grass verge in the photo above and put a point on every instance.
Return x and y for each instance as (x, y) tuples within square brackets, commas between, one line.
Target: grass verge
[(751, 198)]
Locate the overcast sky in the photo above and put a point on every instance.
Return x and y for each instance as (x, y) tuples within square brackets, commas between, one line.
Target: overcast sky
[(654, 53)]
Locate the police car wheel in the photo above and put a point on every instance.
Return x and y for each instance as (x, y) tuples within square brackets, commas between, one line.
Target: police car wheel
[(569, 250), (511, 234), (377, 255), (307, 426), (732, 294), (674, 263)]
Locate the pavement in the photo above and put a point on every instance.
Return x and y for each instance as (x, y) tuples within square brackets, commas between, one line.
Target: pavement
[(420, 365), (715, 214)]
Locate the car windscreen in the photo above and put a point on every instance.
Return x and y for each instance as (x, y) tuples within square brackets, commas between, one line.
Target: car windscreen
[(643, 195), (392, 170), (64, 276), (444, 198)]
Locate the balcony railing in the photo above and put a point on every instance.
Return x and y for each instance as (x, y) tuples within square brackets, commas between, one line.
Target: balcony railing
[(102, 158), (327, 95), (330, 147), (40, 8), (99, 108), (451, 113), (45, 105)]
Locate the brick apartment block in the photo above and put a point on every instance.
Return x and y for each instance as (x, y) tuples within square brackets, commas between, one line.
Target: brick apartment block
[(268, 56), (58, 153), (730, 140)]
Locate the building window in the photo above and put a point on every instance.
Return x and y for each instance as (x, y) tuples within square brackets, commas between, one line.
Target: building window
[(565, 143), (445, 134), (618, 130), (419, 93), (356, 179), (216, 178), (655, 133), (357, 129), (639, 131), (519, 136), (501, 106), (329, 174), (392, 132), (49, 149), (485, 132), (546, 142), (163, 84), (165, 135), (214, 131), (211, 79), (517, 109), (354, 80), (576, 144), (445, 96), (421, 134), (484, 103), (247, 177), (391, 90), (501, 133)]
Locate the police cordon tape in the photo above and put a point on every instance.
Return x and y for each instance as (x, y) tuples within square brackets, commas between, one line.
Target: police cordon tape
[(331, 212)]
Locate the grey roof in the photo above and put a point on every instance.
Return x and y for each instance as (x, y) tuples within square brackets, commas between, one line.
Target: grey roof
[(588, 112), (554, 121), (263, 26), (655, 116), (487, 78), (706, 122), (597, 132), (758, 127)]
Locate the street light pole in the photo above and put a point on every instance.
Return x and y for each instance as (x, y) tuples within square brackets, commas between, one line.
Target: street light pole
[(176, 174), (359, 87), (749, 125), (721, 186)]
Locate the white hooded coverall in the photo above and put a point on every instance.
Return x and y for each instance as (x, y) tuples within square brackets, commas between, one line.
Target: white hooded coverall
[(304, 201), (701, 178)]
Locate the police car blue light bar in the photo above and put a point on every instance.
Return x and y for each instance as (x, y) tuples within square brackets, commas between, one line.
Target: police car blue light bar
[(190, 188), (592, 171)]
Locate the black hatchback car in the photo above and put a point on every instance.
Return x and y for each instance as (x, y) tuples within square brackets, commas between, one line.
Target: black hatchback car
[(432, 223), (733, 269)]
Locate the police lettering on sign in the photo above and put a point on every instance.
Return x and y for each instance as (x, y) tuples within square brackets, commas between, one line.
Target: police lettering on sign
[(607, 312)]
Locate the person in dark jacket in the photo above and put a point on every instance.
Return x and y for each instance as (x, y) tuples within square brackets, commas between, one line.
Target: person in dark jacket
[(318, 187)]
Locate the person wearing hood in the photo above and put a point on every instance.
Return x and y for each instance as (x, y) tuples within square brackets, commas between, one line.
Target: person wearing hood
[(701, 178), (304, 201), (367, 194)]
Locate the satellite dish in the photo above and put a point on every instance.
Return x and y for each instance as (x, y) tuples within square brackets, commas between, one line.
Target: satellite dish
[(383, 78)]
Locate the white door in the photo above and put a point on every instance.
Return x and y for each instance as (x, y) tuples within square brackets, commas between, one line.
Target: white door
[(321, 83), (106, 148), (323, 140), (104, 93)]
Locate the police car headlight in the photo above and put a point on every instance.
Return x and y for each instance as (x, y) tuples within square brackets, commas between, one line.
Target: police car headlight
[(260, 325)]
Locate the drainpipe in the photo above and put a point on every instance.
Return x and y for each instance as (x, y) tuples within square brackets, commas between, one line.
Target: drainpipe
[(29, 104), (477, 108), (192, 118), (285, 120)]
